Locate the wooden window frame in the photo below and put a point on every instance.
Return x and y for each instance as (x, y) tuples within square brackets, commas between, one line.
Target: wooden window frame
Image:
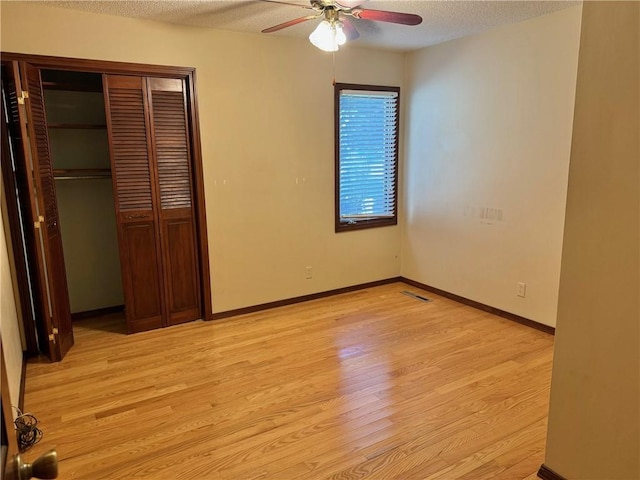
[(365, 223)]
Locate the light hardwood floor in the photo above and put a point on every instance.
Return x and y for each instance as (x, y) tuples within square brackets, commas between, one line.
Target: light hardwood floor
[(371, 384)]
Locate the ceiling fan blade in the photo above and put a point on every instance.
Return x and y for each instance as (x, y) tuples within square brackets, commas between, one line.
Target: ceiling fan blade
[(349, 30), (384, 16), (290, 23)]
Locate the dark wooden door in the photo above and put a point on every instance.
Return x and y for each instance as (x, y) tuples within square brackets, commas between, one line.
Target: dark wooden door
[(135, 191), (50, 256), (15, 181), (171, 153)]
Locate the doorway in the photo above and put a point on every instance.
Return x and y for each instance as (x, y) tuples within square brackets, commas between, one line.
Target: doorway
[(77, 128)]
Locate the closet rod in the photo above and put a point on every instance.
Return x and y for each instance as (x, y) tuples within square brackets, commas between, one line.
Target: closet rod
[(81, 173), (82, 177)]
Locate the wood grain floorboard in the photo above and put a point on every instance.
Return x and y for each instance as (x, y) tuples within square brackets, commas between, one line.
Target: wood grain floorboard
[(371, 384)]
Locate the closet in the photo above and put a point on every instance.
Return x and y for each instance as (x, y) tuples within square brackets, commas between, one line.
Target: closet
[(110, 157)]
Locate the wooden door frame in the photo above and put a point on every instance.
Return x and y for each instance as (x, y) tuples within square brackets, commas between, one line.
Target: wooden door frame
[(189, 75)]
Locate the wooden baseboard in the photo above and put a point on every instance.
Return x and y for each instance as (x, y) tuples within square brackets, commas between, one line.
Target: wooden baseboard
[(482, 306), (304, 298), (437, 291), (547, 474), (97, 312)]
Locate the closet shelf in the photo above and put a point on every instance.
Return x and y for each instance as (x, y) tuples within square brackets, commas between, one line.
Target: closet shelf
[(71, 87), (78, 126), (81, 173)]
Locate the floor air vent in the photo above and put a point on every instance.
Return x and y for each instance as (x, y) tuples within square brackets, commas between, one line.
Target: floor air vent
[(415, 295)]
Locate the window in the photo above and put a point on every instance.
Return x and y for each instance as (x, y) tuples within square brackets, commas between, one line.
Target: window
[(366, 156)]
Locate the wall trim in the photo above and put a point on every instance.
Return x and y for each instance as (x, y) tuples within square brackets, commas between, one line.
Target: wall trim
[(99, 66), (547, 474), (303, 298), (452, 296), (481, 306)]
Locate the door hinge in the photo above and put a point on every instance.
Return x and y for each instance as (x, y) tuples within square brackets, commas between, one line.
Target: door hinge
[(37, 223), (23, 97), (52, 336)]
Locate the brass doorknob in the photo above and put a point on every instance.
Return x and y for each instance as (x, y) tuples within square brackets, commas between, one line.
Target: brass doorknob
[(45, 466)]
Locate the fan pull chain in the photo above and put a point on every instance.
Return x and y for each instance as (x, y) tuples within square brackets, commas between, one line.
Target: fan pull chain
[(333, 54)]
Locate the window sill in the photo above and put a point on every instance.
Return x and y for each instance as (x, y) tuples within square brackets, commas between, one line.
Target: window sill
[(364, 224)]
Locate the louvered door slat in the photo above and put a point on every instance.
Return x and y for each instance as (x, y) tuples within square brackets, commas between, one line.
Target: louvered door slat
[(172, 149), (50, 229), (173, 160), (45, 168), (138, 231), (129, 149)]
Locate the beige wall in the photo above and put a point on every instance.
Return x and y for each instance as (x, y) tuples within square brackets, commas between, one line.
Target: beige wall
[(489, 126), (266, 117), (9, 329), (594, 418)]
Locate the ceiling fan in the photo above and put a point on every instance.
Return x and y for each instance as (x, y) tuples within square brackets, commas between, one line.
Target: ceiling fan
[(334, 29)]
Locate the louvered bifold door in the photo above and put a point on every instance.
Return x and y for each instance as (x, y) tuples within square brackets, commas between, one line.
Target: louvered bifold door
[(134, 192), (172, 154), (53, 276)]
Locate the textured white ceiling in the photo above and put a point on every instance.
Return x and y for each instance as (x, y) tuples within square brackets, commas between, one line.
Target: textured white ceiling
[(442, 19)]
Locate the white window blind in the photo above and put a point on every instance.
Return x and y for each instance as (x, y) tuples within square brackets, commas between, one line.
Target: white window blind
[(367, 155)]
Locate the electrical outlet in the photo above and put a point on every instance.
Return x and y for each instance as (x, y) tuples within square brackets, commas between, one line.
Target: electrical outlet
[(522, 289), (308, 272)]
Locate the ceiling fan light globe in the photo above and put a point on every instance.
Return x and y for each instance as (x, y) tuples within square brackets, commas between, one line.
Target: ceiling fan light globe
[(324, 37)]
